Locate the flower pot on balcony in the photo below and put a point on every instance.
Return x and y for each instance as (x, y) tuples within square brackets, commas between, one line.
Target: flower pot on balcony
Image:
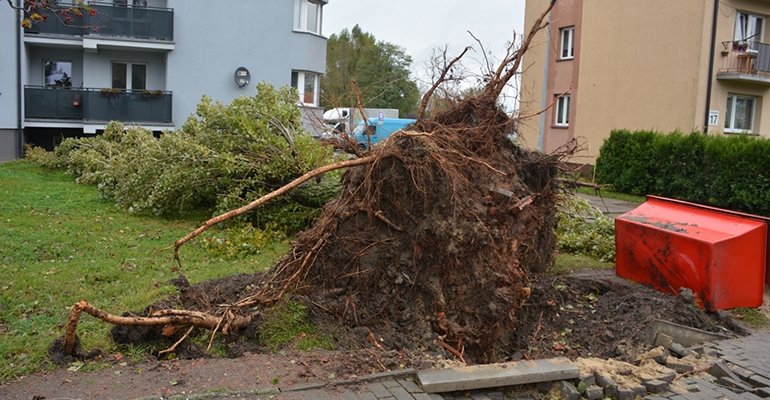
[(725, 53)]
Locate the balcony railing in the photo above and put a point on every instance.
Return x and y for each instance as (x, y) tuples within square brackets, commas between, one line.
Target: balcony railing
[(750, 58), (97, 105), (114, 20)]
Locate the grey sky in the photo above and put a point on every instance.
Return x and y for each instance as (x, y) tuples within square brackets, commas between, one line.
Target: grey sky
[(419, 26)]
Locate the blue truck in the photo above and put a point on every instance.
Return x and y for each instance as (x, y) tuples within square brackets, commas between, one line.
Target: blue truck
[(378, 129)]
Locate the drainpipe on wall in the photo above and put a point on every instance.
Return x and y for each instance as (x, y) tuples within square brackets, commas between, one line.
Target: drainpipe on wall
[(20, 88), (543, 105), (711, 66)]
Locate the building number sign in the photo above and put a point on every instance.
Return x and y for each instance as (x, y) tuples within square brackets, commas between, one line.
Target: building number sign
[(713, 117)]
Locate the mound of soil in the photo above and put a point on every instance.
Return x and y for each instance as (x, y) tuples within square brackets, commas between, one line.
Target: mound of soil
[(592, 313)]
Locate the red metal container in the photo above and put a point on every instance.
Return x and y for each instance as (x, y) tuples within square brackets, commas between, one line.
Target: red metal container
[(719, 254)]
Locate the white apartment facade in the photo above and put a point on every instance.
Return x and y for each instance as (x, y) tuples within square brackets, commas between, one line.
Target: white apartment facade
[(149, 62)]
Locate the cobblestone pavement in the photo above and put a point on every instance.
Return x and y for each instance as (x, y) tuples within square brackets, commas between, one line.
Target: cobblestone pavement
[(748, 358)]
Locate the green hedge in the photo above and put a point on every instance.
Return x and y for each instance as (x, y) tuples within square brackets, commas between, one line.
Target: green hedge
[(726, 171)]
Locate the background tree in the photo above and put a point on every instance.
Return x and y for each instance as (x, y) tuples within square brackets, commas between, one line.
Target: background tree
[(38, 12), (380, 69)]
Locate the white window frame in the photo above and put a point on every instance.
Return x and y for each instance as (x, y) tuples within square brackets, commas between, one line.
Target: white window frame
[(731, 106), (561, 111), (567, 43), (303, 14), (129, 71), (749, 28), (300, 86)]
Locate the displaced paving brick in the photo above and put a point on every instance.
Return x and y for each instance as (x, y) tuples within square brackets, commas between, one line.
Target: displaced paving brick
[(497, 375), (639, 391), (719, 369), (678, 350), (626, 394), (656, 386), (758, 381), (593, 393), (667, 376), (679, 367), (606, 383), (568, 392), (588, 379), (763, 392)]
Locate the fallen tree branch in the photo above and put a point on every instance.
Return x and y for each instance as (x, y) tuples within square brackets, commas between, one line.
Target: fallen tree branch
[(256, 203)]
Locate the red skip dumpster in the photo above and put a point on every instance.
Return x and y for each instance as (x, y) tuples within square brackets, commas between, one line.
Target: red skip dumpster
[(670, 244)]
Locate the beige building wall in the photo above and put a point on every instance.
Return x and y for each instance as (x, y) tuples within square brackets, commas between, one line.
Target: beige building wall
[(640, 65), (532, 77), (641, 68)]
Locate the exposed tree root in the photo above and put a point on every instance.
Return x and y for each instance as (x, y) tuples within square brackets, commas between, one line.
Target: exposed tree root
[(171, 318)]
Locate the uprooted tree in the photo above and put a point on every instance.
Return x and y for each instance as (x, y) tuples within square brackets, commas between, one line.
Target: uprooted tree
[(434, 235)]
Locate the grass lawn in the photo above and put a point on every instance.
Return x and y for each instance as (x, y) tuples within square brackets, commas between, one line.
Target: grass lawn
[(60, 243)]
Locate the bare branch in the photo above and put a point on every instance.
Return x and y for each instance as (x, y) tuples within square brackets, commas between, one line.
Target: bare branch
[(441, 79)]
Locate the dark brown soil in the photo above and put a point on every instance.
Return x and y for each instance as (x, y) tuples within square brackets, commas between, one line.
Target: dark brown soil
[(592, 313)]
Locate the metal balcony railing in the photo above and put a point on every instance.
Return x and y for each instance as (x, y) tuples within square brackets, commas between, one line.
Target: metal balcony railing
[(113, 20), (745, 58), (97, 105)]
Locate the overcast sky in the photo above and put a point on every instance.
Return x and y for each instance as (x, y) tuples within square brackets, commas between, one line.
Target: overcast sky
[(419, 26)]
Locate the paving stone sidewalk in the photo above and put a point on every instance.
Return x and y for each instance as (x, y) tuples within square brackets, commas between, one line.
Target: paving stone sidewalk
[(748, 356)]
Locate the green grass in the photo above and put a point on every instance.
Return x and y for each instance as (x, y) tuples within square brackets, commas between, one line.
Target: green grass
[(60, 243), (286, 325), (567, 263), (607, 193), (752, 317)]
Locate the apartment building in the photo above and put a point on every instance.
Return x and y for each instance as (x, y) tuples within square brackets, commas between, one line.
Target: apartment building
[(149, 62), (655, 64)]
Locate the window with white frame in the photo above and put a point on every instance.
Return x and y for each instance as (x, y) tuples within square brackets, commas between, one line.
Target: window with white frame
[(749, 28), (129, 75), (739, 116), (307, 16), (561, 116), (567, 42), (307, 84)]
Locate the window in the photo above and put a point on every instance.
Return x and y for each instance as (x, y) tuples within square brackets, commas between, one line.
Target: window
[(306, 84), (567, 42), (740, 113), (57, 73), (129, 76), (749, 28), (307, 16), (562, 111)]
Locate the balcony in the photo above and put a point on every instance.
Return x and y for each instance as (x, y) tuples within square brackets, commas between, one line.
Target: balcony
[(97, 105), (114, 20), (745, 62)]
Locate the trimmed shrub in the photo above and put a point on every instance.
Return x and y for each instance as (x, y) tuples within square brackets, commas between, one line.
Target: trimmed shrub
[(726, 171)]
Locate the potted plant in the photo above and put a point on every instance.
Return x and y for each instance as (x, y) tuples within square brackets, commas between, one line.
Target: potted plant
[(109, 91), (152, 93)]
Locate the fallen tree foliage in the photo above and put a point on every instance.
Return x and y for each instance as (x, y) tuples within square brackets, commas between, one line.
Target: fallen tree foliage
[(430, 244)]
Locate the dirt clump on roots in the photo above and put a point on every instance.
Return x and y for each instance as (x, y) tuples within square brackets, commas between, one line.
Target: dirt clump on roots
[(436, 238)]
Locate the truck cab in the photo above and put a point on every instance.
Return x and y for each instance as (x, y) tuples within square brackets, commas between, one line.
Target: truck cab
[(374, 130)]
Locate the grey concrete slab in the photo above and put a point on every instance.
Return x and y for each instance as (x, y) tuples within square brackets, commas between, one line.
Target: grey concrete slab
[(496, 375)]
